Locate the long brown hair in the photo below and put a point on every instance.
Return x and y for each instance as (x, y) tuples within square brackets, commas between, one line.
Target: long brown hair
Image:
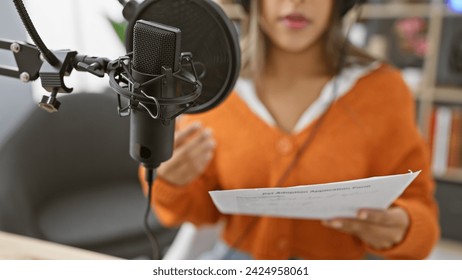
[(339, 51)]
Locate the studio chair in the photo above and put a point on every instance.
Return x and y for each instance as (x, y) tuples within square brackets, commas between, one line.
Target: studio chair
[(67, 177)]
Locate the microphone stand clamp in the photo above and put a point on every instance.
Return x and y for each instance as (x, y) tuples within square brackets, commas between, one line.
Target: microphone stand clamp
[(52, 78), (30, 65)]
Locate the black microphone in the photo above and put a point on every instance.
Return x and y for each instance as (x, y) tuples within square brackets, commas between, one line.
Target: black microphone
[(205, 63), (156, 52)]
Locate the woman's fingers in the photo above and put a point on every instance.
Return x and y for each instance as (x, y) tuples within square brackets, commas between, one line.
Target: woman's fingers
[(194, 148), (182, 134), (381, 229), (391, 217)]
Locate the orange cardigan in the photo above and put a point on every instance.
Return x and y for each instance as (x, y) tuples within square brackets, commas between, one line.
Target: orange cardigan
[(370, 131)]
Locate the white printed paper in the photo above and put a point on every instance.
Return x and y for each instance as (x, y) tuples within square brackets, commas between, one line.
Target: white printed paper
[(323, 201)]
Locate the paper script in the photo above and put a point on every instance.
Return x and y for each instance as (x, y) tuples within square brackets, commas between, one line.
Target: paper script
[(322, 201)]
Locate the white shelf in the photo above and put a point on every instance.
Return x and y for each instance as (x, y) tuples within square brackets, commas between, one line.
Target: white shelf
[(395, 10), (448, 94), (447, 250), (400, 10), (453, 175)]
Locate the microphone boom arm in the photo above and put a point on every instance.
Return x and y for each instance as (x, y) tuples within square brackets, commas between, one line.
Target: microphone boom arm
[(27, 57), (30, 66)]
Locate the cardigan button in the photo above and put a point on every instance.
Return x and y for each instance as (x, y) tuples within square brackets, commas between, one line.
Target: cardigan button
[(285, 146), (283, 244)]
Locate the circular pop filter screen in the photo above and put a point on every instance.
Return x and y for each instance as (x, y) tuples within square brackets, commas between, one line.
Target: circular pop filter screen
[(208, 34)]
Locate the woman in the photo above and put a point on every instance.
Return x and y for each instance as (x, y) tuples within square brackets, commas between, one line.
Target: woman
[(303, 114)]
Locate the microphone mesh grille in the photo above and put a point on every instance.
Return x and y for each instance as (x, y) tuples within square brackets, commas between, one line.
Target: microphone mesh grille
[(208, 34), (153, 48)]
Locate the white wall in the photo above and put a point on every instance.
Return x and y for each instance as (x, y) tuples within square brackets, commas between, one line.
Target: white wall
[(79, 25), (15, 96)]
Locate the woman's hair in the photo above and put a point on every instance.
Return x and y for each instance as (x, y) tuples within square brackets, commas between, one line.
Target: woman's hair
[(339, 51)]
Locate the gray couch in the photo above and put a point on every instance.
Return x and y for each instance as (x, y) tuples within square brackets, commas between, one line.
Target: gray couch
[(68, 178)]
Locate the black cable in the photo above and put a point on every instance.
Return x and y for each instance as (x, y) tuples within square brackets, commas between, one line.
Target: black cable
[(49, 56), (150, 174)]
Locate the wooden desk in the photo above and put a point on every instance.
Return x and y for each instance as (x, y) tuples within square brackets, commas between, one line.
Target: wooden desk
[(17, 247)]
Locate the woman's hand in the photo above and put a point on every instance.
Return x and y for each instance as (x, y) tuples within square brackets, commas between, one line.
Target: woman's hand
[(380, 229), (193, 150)]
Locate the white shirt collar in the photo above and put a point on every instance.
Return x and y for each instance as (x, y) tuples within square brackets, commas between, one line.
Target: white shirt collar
[(345, 82)]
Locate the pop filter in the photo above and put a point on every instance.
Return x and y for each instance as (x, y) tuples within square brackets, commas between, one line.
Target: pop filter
[(207, 33)]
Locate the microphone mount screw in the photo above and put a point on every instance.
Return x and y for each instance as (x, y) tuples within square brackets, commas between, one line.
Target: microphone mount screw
[(15, 47), (24, 77)]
